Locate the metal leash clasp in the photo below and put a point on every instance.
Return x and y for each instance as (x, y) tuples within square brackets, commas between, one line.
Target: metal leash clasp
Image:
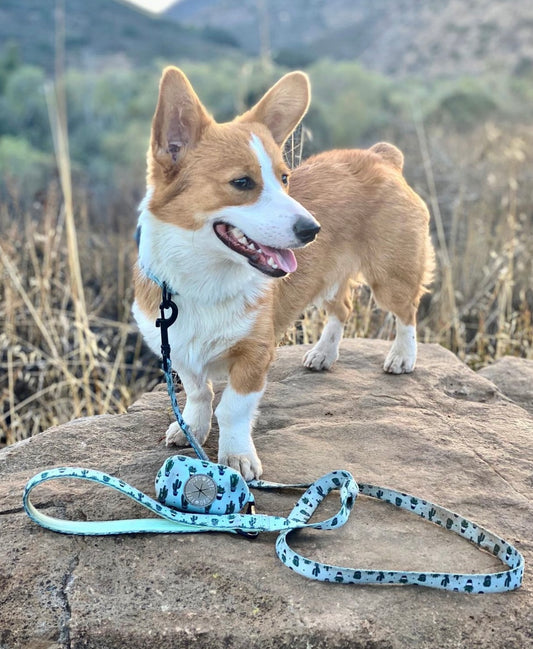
[(165, 323), (250, 510)]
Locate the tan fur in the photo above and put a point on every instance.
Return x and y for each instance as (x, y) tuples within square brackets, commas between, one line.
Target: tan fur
[(249, 359), (202, 184), (374, 225), (282, 107), (147, 293)]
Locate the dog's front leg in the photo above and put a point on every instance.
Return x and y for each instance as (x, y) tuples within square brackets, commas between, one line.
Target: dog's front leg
[(197, 412), (236, 414), (238, 406)]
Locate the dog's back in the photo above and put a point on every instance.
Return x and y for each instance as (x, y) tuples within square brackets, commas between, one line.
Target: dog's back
[(374, 228)]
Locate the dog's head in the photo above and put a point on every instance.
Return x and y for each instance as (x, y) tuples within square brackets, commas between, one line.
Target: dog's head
[(228, 182)]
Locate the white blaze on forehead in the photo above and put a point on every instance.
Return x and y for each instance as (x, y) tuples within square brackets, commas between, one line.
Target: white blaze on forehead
[(270, 181)]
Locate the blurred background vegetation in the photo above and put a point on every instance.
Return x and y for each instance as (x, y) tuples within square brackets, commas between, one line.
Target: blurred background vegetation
[(78, 85)]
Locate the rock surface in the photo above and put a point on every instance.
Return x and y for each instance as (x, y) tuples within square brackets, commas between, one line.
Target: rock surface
[(444, 433), (514, 377)]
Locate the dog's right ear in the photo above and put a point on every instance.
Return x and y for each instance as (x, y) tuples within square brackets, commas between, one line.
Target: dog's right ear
[(179, 119)]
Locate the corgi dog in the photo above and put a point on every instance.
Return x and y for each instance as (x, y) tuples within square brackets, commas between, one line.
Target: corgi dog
[(245, 244)]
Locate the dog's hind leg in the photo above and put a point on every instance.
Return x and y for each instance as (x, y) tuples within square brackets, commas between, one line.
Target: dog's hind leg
[(324, 354), (401, 358), (197, 412), (403, 302)]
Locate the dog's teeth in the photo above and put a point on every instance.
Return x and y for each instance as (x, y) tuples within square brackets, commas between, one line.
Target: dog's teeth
[(271, 263), (252, 247), (243, 240), (237, 233)]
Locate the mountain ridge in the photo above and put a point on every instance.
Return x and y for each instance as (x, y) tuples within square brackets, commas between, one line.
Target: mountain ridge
[(437, 38), (104, 29)]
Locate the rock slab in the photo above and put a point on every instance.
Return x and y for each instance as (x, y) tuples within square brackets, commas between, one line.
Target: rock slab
[(514, 377), (443, 433)]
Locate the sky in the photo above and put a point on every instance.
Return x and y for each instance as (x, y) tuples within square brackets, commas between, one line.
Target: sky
[(155, 6)]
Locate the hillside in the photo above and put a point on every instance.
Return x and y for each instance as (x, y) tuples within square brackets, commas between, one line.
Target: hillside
[(407, 37), (102, 29)]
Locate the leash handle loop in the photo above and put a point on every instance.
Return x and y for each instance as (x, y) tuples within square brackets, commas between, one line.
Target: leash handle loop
[(174, 521)]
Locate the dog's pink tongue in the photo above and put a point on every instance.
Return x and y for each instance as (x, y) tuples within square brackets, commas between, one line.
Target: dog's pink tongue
[(283, 258)]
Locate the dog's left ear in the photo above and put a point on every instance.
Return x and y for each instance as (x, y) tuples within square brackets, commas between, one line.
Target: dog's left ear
[(283, 106)]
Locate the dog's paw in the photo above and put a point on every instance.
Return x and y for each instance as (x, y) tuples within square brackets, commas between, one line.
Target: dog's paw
[(398, 363), (176, 437), (401, 358), (248, 465), (198, 418), (320, 357)]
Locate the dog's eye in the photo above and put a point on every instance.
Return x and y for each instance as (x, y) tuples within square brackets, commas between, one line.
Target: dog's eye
[(243, 183), (285, 179)]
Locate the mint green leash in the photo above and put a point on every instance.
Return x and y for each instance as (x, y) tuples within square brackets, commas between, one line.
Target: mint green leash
[(169, 520), (196, 495)]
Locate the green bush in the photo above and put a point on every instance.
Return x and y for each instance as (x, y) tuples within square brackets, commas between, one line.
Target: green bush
[(109, 110), (23, 108), (24, 170), (462, 105), (353, 103)]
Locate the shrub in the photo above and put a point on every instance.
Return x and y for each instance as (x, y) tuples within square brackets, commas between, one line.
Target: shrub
[(24, 170)]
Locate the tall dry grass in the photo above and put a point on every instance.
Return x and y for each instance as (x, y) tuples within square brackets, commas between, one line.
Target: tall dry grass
[(57, 361), (68, 348)]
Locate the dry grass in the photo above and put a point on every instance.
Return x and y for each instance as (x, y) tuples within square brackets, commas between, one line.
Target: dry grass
[(482, 303), (57, 364), (68, 349)]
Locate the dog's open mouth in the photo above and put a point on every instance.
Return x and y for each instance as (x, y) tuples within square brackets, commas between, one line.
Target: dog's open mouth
[(276, 262)]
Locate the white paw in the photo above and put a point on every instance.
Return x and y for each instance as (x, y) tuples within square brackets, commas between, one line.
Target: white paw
[(175, 436), (401, 358), (398, 362), (198, 418), (248, 465), (320, 357)]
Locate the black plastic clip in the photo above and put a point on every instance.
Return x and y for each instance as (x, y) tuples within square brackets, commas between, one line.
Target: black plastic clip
[(164, 323)]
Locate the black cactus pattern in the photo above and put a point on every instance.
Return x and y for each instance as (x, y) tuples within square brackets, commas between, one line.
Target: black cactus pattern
[(234, 481), (235, 493), (162, 495), (176, 486), (168, 466)]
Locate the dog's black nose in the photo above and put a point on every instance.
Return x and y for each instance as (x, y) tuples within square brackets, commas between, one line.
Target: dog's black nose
[(305, 229)]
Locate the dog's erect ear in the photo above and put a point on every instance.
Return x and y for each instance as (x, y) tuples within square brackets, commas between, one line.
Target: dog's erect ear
[(179, 119), (283, 106)]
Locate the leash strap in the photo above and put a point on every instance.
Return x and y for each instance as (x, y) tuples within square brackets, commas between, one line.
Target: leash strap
[(169, 520), (164, 323)]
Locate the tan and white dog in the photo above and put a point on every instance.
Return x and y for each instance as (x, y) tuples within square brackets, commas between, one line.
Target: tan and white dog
[(221, 217)]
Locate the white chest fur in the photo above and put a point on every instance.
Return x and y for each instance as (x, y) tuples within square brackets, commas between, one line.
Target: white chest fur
[(201, 334), (214, 295)]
